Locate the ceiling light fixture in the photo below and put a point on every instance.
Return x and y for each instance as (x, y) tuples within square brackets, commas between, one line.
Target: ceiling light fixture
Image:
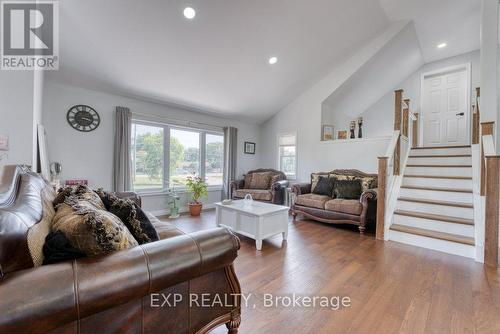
[(189, 13), (273, 60), (442, 45)]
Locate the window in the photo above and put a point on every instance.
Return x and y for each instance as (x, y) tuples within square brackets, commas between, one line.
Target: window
[(287, 146), (214, 159), (147, 157), (184, 156), (164, 156)]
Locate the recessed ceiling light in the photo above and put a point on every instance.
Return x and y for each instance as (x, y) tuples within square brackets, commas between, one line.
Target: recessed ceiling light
[(273, 60), (442, 45), (189, 13)]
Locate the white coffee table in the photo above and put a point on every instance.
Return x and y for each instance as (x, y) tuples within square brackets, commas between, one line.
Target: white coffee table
[(257, 220)]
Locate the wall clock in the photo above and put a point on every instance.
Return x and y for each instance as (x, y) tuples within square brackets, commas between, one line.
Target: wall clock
[(83, 118)]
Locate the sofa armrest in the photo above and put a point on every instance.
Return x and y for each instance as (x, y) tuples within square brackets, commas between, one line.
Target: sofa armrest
[(130, 195), (235, 185), (301, 188), (279, 185), (369, 195), (40, 299)]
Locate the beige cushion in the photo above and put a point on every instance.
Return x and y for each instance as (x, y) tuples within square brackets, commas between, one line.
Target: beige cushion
[(349, 206), (38, 232), (164, 228), (312, 200), (260, 181), (257, 194)]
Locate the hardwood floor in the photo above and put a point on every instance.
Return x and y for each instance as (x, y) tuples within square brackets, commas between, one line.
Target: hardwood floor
[(394, 288)]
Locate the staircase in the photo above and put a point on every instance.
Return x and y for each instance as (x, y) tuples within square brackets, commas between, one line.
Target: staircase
[(435, 204)]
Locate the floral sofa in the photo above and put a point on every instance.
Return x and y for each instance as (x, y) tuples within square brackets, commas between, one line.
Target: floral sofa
[(333, 210), (266, 185)]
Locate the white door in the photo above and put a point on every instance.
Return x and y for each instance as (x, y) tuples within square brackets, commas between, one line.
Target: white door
[(445, 109)]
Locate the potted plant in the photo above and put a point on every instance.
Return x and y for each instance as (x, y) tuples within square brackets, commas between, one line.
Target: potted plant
[(198, 188)]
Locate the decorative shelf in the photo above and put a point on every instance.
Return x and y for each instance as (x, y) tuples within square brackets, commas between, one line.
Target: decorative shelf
[(355, 140)]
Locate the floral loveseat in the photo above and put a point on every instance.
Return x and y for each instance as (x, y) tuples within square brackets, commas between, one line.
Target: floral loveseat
[(266, 185), (333, 210)]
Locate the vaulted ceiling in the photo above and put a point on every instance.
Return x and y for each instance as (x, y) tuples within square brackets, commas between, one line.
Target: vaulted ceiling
[(218, 62)]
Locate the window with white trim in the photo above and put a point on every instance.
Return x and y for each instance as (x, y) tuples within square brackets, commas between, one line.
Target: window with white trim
[(287, 150), (165, 155)]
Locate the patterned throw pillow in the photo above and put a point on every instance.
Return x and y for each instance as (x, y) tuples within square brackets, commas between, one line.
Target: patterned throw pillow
[(314, 180), (275, 178), (261, 180), (38, 232), (82, 217), (248, 180), (347, 189), (131, 215), (368, 183), (342, 176), (324, 186)]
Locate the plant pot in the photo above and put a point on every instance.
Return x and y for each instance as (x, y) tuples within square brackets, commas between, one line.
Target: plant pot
[(195, 209)]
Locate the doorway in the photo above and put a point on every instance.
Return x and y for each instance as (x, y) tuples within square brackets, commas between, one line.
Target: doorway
[(445, 107)]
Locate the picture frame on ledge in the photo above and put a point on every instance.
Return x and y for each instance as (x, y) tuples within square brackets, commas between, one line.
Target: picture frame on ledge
[(327, 132), (342, 135), (249, 148)]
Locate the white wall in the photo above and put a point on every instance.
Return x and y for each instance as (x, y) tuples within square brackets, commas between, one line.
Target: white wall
[(379, 118), (303, 115), (16, 115), (90, 155), (394, 62)]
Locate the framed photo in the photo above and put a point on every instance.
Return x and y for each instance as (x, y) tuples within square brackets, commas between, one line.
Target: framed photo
[(327, 133), (342, 134), (249, 147)]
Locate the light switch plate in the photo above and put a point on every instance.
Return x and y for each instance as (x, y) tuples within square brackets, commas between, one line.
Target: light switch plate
[(4, 142)]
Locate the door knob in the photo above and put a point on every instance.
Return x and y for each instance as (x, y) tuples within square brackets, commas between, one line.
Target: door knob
[(460, 114)]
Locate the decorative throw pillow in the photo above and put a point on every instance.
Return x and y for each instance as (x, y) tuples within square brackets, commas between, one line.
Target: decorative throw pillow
[(347, 189), (38, 232), (260, 180), (80, 192), (342, 176), (274, 178), (368, 183), (314, 180), (131, 215), (83, 219), (57, 248), (324, 186), (248, 180)]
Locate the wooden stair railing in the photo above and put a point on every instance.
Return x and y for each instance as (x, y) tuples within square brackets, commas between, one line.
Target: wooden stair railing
[(490, 180), (403, 137), (486, 130), (476, 118), (383, 170)]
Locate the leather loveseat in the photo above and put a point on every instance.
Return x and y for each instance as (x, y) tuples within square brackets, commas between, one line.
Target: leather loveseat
[(336, 210), (145, 289)]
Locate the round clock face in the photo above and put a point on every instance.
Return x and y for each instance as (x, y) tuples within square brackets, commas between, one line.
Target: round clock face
[(83, 118)]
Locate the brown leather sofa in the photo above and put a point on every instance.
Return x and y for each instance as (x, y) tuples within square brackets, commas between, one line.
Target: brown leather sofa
[(333, 210), (117, 293), (265, 185)]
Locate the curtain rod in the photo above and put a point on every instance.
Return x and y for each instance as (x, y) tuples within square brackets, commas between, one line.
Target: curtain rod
[(176, 120)]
